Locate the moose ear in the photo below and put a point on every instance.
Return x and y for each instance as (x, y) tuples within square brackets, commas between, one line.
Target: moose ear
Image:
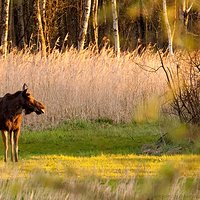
[(25, 87), (24, 93)]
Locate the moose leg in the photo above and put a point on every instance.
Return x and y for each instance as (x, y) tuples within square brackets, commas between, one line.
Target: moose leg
[(12, 145), (5, 141), (16, 137)]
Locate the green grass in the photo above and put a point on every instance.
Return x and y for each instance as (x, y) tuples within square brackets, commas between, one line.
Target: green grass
[(92, 138), (82, 138)]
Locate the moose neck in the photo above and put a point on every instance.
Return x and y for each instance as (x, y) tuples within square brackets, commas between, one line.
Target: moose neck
[(15, 105)]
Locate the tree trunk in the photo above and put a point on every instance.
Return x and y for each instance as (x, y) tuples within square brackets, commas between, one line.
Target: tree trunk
[(46, 31), (185, 11), (5, 20), (95, 23), (84, 27), (169, 34), (1, 6), (141, 23), (115, 28), (40, 29), (20, 25), (11, 27), (141, 28)]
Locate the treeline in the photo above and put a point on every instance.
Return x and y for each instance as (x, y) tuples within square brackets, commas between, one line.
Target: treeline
[(52, 24)]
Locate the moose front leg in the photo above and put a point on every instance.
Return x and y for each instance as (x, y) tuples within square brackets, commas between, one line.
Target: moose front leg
[(16, 137), (5, 142), (12, 145)]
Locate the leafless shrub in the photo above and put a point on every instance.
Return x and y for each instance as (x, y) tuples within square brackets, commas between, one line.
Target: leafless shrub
[(183, 79)]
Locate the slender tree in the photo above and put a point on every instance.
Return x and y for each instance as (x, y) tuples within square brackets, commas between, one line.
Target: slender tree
[(45, 28), (5, 26), (20, 24), (11, 27), (0, 9), (95, 22), (141, 23), (115, 28), (40, 29), (168, 28), (185, 11), (82, 35)]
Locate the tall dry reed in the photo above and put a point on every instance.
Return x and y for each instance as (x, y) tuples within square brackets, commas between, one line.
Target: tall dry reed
[(83, 85)]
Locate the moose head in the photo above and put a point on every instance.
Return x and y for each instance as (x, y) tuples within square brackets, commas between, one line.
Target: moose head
[(30, 104)]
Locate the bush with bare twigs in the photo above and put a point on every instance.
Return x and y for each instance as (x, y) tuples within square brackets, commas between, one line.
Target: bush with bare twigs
[(183, 79)]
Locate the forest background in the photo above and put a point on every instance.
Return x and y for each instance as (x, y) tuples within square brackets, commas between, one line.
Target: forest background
[(46, 25)]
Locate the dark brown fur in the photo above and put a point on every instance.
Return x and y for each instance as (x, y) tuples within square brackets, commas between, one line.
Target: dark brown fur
[(11, 108)]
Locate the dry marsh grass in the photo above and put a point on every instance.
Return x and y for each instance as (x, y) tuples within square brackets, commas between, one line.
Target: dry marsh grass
[(83, 85)]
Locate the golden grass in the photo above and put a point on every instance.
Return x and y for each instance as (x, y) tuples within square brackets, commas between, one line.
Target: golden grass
[(103, 166)]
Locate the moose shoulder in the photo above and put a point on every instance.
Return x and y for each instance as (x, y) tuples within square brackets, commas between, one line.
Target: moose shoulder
[(11, 108)]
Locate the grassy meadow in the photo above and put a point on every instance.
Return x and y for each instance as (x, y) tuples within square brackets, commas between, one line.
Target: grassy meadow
[(99, 160), (103, 134)]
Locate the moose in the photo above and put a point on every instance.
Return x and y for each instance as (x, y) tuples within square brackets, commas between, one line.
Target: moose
[(11, 109)]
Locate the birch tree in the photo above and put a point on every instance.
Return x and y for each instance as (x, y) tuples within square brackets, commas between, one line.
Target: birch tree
[(5, 20), (82, 35), (95, 22), (168, 28), (45, 28), (115, 28), (40, 29)]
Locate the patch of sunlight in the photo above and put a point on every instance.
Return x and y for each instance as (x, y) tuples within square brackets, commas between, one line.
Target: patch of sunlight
[(102, 166)]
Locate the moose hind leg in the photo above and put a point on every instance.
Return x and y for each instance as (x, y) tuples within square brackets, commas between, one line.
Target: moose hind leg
[(5, 142)]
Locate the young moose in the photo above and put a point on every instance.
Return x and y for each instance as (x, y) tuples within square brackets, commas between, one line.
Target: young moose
[(11, 108)]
